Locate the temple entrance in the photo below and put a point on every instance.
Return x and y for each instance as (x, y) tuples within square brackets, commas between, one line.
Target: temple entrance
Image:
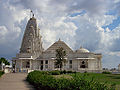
[(82, 66), (41, 67), (27, 64)]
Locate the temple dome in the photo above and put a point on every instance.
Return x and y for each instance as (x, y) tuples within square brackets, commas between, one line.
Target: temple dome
[(83, 50)]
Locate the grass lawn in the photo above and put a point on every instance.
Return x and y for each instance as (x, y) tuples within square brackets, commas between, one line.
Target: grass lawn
[(103, 78), (63, 75)]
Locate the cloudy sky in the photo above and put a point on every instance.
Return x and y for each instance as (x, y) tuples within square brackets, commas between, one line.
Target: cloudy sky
[(93, 24)]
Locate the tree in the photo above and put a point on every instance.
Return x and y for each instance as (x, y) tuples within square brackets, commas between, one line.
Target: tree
[(4, 61), (60, 57)]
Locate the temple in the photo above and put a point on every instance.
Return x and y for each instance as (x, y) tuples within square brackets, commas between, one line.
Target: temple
[(32, 56)]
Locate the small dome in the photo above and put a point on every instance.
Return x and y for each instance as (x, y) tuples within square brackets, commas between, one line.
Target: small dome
[(83, 50)]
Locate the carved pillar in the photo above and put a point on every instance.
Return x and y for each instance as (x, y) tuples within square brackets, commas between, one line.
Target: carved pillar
[(21, 66), (30, 65)]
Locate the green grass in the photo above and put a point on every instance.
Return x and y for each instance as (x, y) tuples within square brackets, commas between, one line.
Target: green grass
[(109, 78), (102, 78), (63, 75)]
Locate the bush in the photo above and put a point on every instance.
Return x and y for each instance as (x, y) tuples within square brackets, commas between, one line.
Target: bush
[(85, 72), (40, 79), (56, 72), (1, 73), (43, 81), (106, 72), (69, 72), (63, 72)]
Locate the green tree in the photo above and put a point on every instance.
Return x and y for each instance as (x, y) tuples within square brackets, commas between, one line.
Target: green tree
[(60, 57), (4, 61)]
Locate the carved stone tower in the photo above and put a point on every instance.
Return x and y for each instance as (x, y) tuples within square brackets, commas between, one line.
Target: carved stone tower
[(31, 42)]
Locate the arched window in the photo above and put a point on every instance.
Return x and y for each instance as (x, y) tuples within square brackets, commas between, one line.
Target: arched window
[(83, 64)]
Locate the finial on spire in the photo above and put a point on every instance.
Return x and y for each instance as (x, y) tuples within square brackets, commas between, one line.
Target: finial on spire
[(31, 14)]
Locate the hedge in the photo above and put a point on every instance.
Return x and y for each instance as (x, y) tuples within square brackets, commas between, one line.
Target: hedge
[(106, 72), (42, 80), (1, 73)]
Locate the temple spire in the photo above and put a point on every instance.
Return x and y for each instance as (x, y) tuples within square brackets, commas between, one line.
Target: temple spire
[(31, 42)]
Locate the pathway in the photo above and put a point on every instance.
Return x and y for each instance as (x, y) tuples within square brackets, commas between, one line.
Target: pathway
[(14, 81)]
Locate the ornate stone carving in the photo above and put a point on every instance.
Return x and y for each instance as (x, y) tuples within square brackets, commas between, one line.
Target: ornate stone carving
[(31, 42)]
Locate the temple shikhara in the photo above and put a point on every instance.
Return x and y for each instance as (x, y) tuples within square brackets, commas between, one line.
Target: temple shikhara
[(32, 56)]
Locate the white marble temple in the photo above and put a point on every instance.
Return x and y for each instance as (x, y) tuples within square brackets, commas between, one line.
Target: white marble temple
[(32, 56)]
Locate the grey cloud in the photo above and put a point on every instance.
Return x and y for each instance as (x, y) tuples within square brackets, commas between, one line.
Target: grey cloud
[(52, 16), (10, 29), (116, 7), (93, 7), (86, 34), (116, 45), (110, 61)]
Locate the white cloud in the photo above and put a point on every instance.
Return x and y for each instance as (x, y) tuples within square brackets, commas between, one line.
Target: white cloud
[(10, 27), (3, 33), (54, 20), (57, 28)]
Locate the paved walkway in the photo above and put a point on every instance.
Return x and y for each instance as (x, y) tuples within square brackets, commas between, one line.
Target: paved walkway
[(14, 81)]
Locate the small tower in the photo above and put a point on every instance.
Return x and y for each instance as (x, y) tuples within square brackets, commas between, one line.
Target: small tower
[(31, 42)]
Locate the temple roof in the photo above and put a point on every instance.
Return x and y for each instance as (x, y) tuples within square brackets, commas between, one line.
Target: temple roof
[(58, 44)]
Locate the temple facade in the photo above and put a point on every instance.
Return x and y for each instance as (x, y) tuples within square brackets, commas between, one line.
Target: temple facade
[(32, 56)]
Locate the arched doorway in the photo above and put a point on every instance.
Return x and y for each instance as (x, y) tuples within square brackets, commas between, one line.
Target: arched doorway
[(41, 68)]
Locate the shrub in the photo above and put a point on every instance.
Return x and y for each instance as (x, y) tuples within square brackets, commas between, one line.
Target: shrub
[(69, 72), (85, 72), (80, 83), (1, 73), (106, 72), (63, 72), (56, 72), (43, 81)]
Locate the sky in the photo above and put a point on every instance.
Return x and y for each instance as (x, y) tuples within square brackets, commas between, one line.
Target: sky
[(92, 24)]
